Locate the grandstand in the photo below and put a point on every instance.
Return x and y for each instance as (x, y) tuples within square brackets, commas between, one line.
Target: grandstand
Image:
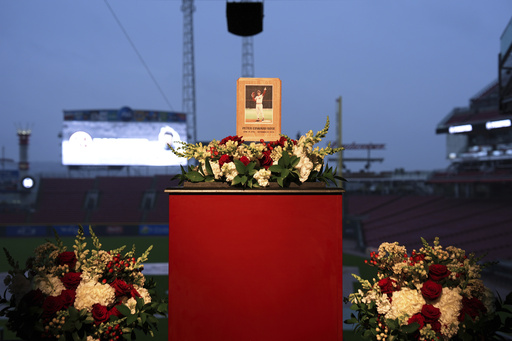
[(479, 146), (479, 225), (104, 202)]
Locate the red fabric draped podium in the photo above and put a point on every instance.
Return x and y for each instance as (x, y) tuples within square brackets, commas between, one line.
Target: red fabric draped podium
[(255, 265)]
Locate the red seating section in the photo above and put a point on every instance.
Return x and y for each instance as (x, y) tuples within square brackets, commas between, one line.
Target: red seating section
[(482, 226)]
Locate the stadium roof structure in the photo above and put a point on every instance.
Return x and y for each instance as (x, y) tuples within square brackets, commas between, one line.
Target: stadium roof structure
[(483, 108), (505, 70)]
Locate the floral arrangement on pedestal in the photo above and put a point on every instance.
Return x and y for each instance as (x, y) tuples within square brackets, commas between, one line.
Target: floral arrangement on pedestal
[(255, 165), (82, 294), (431, 294)]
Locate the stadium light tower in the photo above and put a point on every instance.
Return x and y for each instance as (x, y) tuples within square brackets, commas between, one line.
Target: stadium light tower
[(247, 57), (189, 83)]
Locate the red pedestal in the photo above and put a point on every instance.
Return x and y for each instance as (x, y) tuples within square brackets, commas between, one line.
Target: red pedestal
[(255, 265)]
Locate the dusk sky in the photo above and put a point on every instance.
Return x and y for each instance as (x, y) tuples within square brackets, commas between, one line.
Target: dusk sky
[(400, 66)]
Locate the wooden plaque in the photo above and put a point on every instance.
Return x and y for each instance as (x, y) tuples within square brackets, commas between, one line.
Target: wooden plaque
[(258, 109)]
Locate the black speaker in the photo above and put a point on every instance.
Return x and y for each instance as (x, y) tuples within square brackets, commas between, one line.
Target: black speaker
[(245, 18)]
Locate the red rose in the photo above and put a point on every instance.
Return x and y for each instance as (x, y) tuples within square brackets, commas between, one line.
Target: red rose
[(430, 313), (67, 258), (436, 326), (245, 160), (420, 319), (100, 313), (266, 161), (121, 287), (437, 272), (472, 307), (282, 140), (51, 305), (431, 290), (386, 285), (71, 280), (225, 159), (68, 298), (134, 292), (231, 138)]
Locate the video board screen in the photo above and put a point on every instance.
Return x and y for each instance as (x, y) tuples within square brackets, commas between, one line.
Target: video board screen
[(122, 137)]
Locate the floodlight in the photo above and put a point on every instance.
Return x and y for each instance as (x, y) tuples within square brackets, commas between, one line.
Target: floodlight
[(245, 18), (460, 129), (28, 182), (498, 124)]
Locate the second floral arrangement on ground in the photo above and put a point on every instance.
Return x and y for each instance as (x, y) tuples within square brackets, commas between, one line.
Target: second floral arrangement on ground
[(255, 165)]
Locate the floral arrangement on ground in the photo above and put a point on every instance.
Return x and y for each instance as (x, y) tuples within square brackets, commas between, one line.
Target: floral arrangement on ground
[(82, 294), (255, 165), (435, 293)]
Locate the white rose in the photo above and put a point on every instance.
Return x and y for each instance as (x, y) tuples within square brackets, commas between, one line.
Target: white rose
[(450, 304)]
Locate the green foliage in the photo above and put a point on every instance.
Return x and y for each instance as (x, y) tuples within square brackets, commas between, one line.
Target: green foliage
[(245, 176), (195, 174), (284, 172), (327, 175)]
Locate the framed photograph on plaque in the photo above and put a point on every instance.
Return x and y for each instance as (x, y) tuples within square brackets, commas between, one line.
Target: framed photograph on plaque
[(258, 109)]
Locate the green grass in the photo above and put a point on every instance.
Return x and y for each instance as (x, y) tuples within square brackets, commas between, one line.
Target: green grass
[(250, 114), (365, 271)]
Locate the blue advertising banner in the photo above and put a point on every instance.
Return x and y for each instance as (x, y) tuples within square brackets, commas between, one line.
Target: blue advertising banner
[(25, 231), (154, 230), (70, 230)]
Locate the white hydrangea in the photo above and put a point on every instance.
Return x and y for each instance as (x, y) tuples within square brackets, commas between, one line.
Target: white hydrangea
[(92, 292), (144, 293), (262, 176), (50, 285), (450, 304), (405, 303)]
